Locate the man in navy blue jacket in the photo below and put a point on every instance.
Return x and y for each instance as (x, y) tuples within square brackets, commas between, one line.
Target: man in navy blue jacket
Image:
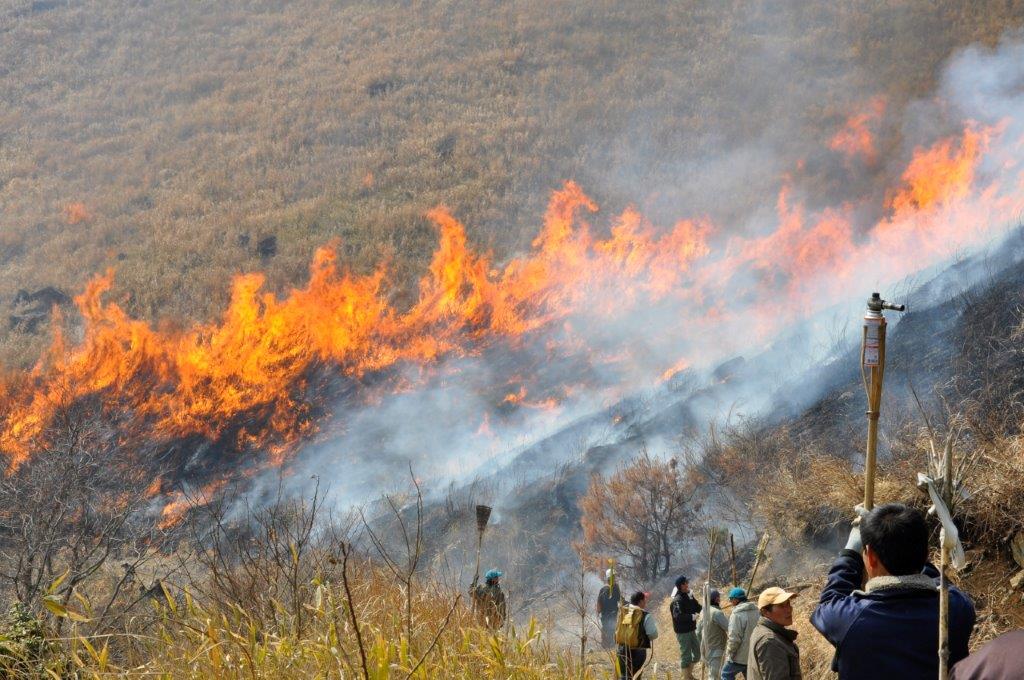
[(891, 628)]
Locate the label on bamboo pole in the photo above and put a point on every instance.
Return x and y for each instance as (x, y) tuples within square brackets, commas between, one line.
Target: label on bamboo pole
[(872, 341)]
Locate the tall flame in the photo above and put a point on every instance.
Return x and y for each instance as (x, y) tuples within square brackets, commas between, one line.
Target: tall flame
[(254, 358), (251, 376)]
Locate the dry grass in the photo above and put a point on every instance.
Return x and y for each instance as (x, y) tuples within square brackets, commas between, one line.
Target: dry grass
[(188, 640), (806, 499), (153, 137)]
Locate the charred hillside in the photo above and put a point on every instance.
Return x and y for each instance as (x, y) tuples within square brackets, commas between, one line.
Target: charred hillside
[(959, 344), (957, 348)]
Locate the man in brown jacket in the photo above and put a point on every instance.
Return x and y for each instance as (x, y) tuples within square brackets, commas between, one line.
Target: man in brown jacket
[(773, 652)]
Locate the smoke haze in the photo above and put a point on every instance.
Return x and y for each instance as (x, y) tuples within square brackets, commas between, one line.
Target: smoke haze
[(782, 294)]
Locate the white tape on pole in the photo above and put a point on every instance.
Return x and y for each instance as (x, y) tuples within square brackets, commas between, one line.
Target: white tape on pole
[(949, 535)]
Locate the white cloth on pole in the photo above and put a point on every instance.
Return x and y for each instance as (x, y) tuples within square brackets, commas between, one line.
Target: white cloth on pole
[(949, 535)]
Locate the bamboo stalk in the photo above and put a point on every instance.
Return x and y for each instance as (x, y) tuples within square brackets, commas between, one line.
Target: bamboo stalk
[(943, 617), (947, 493), (706, 604), (761, 547), (732, 557), (711, 552), (873, 387)]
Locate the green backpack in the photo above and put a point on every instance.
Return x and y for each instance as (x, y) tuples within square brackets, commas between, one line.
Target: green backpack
[(629, 626)]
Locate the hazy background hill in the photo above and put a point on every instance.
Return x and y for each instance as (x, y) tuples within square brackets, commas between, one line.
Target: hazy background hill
[(167, 139)]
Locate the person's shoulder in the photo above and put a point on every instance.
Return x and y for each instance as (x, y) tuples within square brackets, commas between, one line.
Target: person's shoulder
[(762, 639), (961, 598)]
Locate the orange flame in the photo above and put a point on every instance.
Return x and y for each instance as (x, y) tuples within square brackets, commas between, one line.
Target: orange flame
[(674, 369), (252, 361), (246, 377), (856, 138), (179, 503), (941, 173)]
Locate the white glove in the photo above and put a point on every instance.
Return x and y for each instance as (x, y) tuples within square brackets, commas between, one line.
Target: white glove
[(854, 542)]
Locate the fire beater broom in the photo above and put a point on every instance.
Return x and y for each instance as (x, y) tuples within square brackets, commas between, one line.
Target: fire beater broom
[(483, 515), (872, 370)]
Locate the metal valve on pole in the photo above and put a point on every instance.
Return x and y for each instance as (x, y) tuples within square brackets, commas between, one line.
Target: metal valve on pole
[(872, 361)]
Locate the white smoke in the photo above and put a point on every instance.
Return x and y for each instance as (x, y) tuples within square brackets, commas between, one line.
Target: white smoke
[(455, 425)]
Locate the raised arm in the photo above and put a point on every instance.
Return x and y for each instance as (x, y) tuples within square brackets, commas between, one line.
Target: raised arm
[(837, 609)]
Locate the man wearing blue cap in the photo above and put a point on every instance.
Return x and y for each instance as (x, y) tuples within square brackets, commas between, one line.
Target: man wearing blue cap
[(741, 626), (489, 600)]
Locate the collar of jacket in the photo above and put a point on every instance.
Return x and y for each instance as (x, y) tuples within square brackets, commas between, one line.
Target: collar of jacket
[(779, 630), (900, 583)]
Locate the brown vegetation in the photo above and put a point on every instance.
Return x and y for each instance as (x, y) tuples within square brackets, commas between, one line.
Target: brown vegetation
[(806, 498), (264, 595), (641, 513), (169, 139)]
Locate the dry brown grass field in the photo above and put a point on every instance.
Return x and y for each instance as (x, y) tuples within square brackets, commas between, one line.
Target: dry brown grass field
[(165, 139), (168, 139)]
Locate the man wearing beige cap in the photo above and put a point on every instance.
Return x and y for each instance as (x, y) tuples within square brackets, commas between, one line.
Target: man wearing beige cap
[(773, 652)]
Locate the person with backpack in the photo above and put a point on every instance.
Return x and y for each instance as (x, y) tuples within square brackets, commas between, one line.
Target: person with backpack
[(684, 609), (489, 600), (889, 627), (608, 601), (711, 634), (634, 631), (741, 625)]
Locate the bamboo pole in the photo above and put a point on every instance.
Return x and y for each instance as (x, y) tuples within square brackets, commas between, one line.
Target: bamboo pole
[(947, 497), (873, 372), (711, 552), (762, 545), (943, 617), (705, 621), (732, 557)]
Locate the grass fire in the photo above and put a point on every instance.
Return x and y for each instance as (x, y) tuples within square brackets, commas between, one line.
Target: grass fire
[(471, 341)]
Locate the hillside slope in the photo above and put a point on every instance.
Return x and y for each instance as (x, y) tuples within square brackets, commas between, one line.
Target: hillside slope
[(957, 344), (167, 140)]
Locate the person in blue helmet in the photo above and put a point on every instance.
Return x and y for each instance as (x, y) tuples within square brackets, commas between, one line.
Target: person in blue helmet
[(489, 600)]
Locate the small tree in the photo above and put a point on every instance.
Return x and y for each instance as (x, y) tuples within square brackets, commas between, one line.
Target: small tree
[(641, 513), (73, 506)]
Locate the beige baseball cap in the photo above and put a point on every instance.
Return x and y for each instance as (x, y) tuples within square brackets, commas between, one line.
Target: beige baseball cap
[(773, 595)]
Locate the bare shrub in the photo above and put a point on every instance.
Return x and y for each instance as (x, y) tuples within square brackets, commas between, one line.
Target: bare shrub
[(641, 514), (266, 560), (71, 510)]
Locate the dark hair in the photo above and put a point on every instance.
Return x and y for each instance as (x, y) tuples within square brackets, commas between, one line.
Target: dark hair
[(898, 535), (637, 597)]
